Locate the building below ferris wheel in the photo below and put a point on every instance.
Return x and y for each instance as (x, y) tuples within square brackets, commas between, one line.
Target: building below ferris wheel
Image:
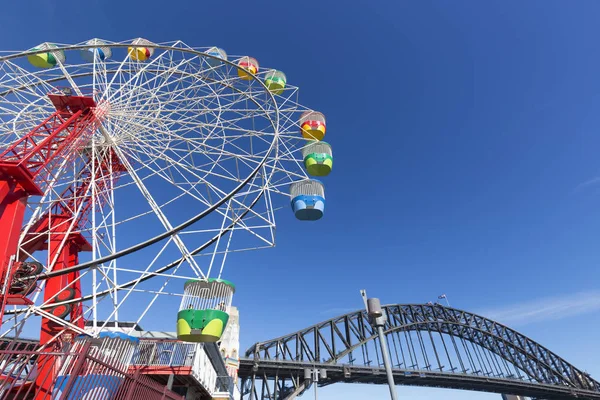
[(125, 359)]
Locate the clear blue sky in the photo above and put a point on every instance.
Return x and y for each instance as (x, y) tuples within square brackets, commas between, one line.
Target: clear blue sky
[(466, 143)]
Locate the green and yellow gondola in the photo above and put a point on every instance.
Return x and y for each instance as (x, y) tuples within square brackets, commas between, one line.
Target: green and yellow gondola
[(47, 59), (275, 81), (204, 310), (318, 158)]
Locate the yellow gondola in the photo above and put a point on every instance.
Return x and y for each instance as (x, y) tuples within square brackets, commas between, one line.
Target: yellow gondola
[(139, 50)]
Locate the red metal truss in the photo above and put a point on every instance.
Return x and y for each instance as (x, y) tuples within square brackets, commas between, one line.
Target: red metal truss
[(107, 170), (26, 157), (75, 200), (62, 226), (24, 167), (27, 162), (68, 216), (65, 220)]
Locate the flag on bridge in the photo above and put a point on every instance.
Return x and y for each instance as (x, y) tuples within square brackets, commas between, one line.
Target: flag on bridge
[(442, 296)]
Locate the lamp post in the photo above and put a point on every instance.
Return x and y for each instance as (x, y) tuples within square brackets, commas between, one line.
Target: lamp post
[(312, 375), (377, 319)]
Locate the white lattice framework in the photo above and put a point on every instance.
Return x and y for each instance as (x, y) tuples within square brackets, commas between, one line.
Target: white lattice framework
[(206, 156)]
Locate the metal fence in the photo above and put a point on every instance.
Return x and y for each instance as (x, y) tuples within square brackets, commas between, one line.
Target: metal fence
[(164, 352), (75, 374), (172, 353)]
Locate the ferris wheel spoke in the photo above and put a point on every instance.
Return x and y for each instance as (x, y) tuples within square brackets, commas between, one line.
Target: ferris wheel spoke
[(171, 70), (69, 78), (175, 165), (148, 275), (185, 115), (161, 216), (130, 290), (99, 78), (137, 120), (242, 224), (171, 96), (188, 151), (197, 195), (135, 76), (196, 86), (184, 154), (117, 74), (218, 95), (235, 199), (216, 247), (20, 75), (154, 273), (156, 294)]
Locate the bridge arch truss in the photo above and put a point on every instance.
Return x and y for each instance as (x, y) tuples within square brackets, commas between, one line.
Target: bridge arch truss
[(430, 345)]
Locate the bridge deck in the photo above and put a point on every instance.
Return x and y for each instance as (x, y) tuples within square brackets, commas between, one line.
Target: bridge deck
[(267, 369)]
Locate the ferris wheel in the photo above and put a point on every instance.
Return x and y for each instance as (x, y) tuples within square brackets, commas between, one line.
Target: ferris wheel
[(129, 168)]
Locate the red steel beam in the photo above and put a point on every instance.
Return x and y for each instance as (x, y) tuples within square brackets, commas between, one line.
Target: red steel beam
[(65, 244), (21, 164), (23, 167)]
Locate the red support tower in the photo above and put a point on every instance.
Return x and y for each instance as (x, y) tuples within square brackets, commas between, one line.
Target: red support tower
[(60, 228), (24, 167)]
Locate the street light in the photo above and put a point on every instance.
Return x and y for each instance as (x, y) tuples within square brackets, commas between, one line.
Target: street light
[(377, 318), (312, 375)]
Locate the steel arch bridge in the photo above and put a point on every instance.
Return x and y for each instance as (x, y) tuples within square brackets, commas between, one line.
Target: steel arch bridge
[(430, 345)]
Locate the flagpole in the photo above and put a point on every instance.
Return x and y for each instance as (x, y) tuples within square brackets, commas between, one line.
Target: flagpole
[(444, 296)]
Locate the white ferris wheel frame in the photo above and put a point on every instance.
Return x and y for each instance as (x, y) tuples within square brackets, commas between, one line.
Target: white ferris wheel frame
[(106, 266)]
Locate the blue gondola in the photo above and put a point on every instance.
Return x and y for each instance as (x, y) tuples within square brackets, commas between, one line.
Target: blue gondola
[(308, 199)]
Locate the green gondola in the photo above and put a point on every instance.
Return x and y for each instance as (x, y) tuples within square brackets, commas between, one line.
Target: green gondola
[(203, 313)]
